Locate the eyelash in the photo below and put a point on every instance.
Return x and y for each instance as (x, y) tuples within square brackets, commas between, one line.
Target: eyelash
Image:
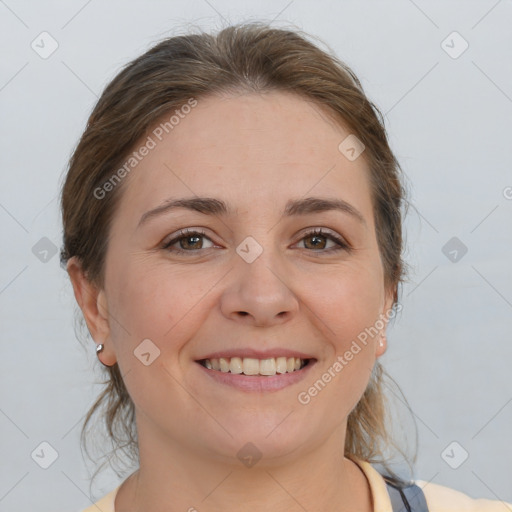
[(186, 233)]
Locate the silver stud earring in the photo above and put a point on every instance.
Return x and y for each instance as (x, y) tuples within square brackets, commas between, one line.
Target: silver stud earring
[(99, 349)]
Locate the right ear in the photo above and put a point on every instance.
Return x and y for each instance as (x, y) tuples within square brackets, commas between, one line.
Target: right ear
[(93, 303)]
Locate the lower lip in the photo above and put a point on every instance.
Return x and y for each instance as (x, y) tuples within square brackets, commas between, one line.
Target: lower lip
[(258, 383)]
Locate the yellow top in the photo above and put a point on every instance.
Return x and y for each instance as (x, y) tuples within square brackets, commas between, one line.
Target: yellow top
[(438, 497)]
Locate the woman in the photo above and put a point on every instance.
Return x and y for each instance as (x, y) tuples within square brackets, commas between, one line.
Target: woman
[(232, 230)]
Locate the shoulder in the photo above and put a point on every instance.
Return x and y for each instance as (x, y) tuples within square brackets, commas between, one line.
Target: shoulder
[(105, 504), (438, 498), (445, 499)]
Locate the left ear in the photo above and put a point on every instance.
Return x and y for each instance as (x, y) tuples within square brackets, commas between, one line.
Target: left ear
[(382, 342)]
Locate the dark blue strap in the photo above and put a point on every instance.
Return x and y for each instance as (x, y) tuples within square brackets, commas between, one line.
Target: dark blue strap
[(407, 499)]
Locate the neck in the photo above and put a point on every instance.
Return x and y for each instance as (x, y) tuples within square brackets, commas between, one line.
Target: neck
[(173, 477)]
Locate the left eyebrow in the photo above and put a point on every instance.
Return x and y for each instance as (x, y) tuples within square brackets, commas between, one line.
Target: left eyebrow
[(212, 206)]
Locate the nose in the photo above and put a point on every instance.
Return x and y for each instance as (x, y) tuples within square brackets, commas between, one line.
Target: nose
[(258, 293)]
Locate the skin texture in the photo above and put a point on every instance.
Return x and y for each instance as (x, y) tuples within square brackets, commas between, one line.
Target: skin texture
[(255, 152)]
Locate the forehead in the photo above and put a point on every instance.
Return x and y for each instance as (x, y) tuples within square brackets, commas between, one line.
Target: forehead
[(247, 149)]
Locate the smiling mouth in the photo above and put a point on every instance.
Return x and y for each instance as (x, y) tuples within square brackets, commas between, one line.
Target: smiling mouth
[(259, 367)]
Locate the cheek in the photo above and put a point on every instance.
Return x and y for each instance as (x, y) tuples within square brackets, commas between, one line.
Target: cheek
[(348, 307), (347, 303), (155, 302)]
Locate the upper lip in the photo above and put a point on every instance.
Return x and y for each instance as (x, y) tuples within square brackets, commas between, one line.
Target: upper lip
[(256, 354)]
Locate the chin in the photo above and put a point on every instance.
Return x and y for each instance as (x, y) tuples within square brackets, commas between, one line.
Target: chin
[(272, 442)]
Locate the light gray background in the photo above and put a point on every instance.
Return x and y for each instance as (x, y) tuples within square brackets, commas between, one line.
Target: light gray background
[(449, 124)]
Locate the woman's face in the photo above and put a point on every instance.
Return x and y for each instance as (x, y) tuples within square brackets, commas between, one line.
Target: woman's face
[(253, 279)]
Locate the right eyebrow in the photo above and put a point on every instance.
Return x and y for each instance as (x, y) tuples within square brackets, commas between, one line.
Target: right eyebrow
[(206, 205)]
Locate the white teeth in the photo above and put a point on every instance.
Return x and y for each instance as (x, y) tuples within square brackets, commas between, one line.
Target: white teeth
[(224, 364), (268, 366), (235, 365), (281, 364), (251, 366)]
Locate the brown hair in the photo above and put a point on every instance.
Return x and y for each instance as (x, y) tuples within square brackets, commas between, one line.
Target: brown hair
[(251, 57)]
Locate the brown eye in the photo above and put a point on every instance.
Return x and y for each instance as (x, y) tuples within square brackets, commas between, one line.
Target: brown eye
[(190, 242), (187, 241), (317, 240)]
